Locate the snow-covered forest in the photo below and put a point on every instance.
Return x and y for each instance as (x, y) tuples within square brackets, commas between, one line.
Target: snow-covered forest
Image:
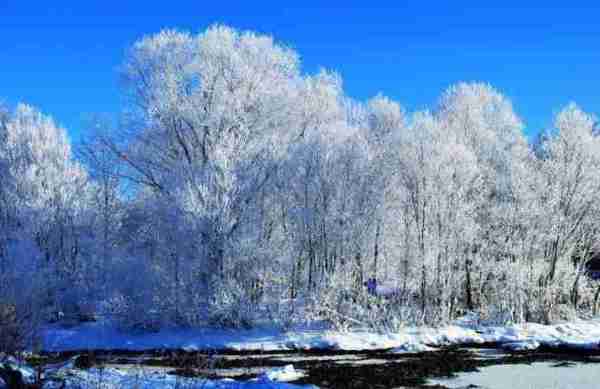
[(236, 190)]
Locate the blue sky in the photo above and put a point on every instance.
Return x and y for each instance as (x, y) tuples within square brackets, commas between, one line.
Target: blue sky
[(64, 58)]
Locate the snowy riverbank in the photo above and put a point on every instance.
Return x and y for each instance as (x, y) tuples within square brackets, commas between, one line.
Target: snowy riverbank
[(582, 334)]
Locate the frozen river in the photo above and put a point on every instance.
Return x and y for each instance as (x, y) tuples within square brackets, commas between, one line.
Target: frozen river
[(374, 369), (539, 375)]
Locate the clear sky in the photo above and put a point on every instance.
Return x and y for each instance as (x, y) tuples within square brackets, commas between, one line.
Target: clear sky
[(62, 56)]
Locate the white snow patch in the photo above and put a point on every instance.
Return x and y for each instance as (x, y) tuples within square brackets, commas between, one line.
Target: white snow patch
[(282, 374), (524, 345), (412, 348)]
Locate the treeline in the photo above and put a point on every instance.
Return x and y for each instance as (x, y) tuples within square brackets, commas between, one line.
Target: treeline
[(237, 189)]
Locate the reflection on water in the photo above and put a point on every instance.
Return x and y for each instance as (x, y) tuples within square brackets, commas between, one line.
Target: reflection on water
[(539, 375)]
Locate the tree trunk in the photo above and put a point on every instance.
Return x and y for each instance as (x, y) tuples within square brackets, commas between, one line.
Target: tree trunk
[(359, 271), (376, 249), (596, 296), (468, 287), (575, 290), (311, 264), (177, 285)]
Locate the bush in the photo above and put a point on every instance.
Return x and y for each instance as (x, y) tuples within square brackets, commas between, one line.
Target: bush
[(233, 306), (22, 307)]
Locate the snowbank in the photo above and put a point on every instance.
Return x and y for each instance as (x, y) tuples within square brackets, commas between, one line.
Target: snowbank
[(282, 374), (104, 336)]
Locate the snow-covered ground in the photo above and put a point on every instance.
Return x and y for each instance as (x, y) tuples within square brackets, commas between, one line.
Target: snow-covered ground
[(583, 334)]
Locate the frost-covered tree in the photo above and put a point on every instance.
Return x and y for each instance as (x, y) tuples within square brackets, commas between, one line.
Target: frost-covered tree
[(213, 117), (568, 192), (50, 186), (385, 120), (438, 185), (44, 223), (106, 199), (483, 120)]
